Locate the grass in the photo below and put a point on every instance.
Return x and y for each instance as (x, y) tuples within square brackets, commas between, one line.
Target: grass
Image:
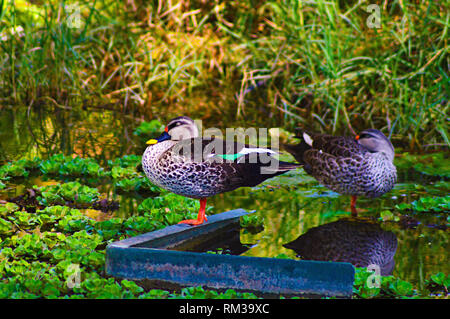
[(289, 63)]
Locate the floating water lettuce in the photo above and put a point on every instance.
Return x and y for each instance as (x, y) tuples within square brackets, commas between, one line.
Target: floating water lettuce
[(367, 286), (386, 215), (58, 252), (6, 208), (71, 191), (127, 185), (118, 172), (81, 166), (126, 161), (5, 227), (427, 204), (170, 208), (63, 165), (202, 293), (439, 282), (136, 184), (252, 223), (13, 170), (53, 164), (19, 168)]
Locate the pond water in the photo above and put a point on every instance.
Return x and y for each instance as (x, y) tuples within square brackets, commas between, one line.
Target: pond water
[(291, 204)]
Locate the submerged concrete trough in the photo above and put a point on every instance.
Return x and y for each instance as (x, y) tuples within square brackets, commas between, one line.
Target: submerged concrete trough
[(152, 257)]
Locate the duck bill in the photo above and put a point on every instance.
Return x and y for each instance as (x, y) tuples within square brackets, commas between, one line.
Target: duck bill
[(163, 137)]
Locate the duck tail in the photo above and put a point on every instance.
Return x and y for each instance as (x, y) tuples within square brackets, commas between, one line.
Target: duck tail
[(280, 168), (299, 149), (287, 166)]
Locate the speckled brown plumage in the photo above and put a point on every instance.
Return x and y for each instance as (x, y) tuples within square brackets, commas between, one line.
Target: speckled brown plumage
[(359, 242), (347, 165), (167, 165)]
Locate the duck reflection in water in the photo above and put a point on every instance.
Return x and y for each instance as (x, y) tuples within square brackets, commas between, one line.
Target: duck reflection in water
[(358, 241)]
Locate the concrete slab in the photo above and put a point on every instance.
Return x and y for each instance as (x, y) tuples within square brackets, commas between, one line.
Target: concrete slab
[(151, 257)]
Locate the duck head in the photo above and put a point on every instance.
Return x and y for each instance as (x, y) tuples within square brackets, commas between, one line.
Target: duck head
[(177, 129), (375, 141)]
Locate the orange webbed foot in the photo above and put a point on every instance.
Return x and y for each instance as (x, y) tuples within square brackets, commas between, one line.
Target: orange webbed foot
[(201, 217)]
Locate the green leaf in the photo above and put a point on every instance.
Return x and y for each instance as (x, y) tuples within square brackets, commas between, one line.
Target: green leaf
[(8, 208), (153, 127)]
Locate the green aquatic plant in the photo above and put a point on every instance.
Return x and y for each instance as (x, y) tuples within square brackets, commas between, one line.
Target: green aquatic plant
[(6, 224), (427, 204), (386, 215), (148, 129), (136, 184), (169, 208), (12, 170), (53, 164), (19, 168), (126, 161), (369, 285), (82, 166), (282, 256), (126, 177), (219, 251), (253, 223), (59, 252), (202, 293), (118, 172), (127, 185), (63, 165), (439, 283), (25, 248), (6, 227), (7, 208), (71, 191)]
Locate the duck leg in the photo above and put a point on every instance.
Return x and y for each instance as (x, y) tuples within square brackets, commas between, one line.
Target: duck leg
[(353, 206), (201, 217)]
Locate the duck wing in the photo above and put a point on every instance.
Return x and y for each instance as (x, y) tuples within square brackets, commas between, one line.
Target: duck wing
[(340, 146), (235, 164), (336, 146)]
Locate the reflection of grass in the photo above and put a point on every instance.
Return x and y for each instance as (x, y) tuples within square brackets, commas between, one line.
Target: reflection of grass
[(318, 64), (434, 165)]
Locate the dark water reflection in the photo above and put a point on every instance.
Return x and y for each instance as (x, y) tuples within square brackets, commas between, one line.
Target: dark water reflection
[(293, 205), (361, 242)]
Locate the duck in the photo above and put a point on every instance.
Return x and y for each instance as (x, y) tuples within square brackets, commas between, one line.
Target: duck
[(184, 163), (359, 241), (357, 166)]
